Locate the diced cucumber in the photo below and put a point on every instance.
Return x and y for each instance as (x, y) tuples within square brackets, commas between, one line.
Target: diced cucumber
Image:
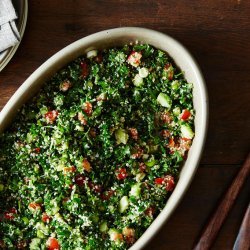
[(123, 204), (176, 111), (42, 230), (91, 53), (103, 226), (138, 80), (143, 72), (35, 244), (175, 85), (164, 100), (139, 177), (186, 131), (25, 220), (135, 190), (121, 136), (55, 208), (151, 162)]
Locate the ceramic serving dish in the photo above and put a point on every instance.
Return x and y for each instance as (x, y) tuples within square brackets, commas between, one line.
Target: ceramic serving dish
[(117, 37)]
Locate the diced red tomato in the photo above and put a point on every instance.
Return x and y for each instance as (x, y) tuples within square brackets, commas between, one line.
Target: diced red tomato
[(107, 195), (88, 108), (138, 153), (171, 143), (45, 218), (10, 215), (142, 167), (37, 150), (51, 116), (52, 244), (81, 118), (159, 181), (134, 58), (185, 143), (71, 169), (170, 71), (86, 165), (85, 69), (129, 234), (95, 187), (165, 133), (13, 210), (34, 206), (121, 174), (80, 179), (64, 86), (185, 114), (169, 180), (166, 118), (116, 237), (133, 133)]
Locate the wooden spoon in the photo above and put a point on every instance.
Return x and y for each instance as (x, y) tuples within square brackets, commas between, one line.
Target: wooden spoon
[(212, 228), (243, 239)]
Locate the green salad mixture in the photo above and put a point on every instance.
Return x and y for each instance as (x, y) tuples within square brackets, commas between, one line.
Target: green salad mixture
[(91, 160)]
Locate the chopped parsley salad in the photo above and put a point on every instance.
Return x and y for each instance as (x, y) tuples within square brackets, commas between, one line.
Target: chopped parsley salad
[(91, 160)]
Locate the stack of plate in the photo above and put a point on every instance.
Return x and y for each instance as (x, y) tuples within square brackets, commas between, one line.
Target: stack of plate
[(21, 7)]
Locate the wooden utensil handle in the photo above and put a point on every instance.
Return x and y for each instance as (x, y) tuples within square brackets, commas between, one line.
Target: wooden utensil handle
[(243, 239), (212, 228)]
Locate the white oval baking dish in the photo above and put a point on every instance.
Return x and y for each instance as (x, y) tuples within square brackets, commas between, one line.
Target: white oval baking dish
[(117, 37)]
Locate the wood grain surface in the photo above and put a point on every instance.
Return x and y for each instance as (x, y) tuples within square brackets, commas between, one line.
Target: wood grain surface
[(217, 33)]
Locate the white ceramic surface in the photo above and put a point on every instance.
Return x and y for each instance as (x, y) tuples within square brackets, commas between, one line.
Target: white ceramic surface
[(116, 37)]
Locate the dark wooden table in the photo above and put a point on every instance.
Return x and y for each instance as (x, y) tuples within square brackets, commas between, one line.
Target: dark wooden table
[(217, 33)]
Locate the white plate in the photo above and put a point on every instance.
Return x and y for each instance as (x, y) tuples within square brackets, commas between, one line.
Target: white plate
[(21, 7)]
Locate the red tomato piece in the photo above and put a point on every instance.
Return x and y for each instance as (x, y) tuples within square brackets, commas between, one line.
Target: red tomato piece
[(8, 216), (185, 114), (13, 210), (86, 165), (171, 143), (133, 133), (51, 116), (121, 174), (80, 179), (52, 244), (88, 108), (71, 169), (159, 181), (34, 206), (134, 58), (142, 167), (169, 182), (45, 218), (85, 69), (37, 150), (107, 195)]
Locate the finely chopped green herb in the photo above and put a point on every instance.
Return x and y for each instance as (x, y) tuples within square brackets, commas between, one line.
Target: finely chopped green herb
[(91, 160)]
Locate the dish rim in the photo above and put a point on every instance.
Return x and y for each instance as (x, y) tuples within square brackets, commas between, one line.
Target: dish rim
[(58, 59)]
